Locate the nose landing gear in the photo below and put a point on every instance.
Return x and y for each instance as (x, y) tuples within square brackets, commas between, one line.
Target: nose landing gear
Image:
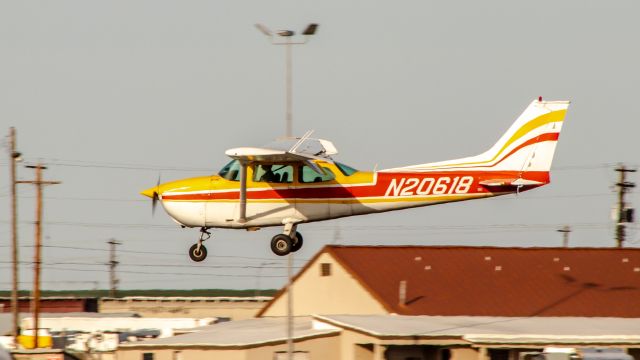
[(198, 252)]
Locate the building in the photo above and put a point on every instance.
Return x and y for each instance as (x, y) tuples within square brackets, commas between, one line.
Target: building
[(244, 339), (392, 337), (466, 281), (235, 308), (53, 304)]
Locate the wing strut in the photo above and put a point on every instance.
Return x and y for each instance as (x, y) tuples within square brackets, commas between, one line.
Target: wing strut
[(243, 192)]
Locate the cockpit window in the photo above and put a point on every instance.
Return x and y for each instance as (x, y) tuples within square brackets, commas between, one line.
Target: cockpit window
[(308, 175), (346, 170), (273, 173), (231, 171)]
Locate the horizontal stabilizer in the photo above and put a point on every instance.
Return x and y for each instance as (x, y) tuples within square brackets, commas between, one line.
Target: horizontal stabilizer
[(509, 182)]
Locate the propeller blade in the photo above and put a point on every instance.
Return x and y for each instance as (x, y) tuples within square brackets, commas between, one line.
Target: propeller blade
[(154, 201)]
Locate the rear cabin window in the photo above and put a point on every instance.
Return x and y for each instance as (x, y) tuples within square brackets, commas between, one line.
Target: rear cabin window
[(273, 173), (308, 175)]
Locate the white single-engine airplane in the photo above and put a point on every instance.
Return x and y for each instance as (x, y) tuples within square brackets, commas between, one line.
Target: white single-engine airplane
[(295, 180)]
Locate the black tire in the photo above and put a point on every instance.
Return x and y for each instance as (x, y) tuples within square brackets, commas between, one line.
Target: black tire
[(197, 256), (297, 242), (281, 244)]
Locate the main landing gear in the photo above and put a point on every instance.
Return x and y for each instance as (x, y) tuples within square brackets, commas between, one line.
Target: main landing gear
[(289, 241), (198, 252), (282, 244)]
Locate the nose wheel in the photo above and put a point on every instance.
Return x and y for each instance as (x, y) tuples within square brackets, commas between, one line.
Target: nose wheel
[(197, 252)]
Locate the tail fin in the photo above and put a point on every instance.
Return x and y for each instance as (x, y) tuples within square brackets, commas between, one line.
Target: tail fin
[(528, 145)]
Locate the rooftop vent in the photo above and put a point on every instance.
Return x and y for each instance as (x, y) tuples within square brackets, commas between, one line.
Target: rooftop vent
[(567, 268), (498, 268), (418, 258), (556, 259), (625, 260), (487, 258), (427, 267), (402, 292)]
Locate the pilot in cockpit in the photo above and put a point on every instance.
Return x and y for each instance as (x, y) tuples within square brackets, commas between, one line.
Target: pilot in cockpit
[(269, 175)]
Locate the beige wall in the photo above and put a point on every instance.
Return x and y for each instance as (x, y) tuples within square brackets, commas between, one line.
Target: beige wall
[(464, 354), (185, 354), (338, 293), (236, 310), (318, 349)]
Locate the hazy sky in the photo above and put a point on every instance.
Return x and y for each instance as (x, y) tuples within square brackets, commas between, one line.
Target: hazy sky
[(111, 94)]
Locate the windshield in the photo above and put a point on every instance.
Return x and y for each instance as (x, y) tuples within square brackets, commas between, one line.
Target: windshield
[(346, 170), (231, 171)]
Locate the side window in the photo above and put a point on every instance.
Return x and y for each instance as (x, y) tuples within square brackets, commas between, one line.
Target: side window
[(273, 173), (308, 175)]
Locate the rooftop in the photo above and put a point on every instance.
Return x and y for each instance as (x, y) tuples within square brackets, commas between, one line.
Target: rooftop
[(249, 332), (485, 329), (496, 281)]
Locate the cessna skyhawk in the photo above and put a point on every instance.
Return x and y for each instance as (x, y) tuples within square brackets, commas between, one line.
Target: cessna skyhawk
[(294, 181)]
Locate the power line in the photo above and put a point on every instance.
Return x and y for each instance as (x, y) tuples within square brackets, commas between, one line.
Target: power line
[(147, 252), (116, 165), (160, 273), (162, 265)]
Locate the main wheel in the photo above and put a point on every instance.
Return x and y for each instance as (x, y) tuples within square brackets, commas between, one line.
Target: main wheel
[(281, 244), (297, 242), (196, 255)]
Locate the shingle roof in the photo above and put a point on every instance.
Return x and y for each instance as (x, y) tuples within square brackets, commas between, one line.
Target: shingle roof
[(490, 281)]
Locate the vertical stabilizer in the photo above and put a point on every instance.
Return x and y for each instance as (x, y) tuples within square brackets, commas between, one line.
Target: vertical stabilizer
[(528, 145)]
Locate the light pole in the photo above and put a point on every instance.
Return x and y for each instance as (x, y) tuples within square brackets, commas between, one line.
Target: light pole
[(284, 37)]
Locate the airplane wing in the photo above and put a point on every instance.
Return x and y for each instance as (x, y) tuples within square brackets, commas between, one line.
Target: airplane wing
[(301, 149)]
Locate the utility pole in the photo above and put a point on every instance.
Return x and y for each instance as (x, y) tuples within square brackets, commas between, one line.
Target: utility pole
[(14, 157), (38, 182), (565, 235), (624, 214), (112, 267)]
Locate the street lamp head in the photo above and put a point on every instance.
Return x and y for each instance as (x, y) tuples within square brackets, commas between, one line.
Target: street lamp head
[(263, 29), (310, 30), (17, 156), (285, 33)]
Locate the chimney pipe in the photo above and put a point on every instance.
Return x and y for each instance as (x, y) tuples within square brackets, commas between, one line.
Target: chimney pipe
[(402, 292)]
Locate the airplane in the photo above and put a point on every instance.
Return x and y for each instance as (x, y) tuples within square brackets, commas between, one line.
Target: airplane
[(293, 181)]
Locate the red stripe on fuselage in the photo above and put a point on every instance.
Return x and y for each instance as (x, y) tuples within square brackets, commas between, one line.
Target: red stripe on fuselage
[(379, 189)]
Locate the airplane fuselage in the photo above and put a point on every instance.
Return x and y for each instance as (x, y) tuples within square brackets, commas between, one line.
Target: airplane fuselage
[(213, 201)]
